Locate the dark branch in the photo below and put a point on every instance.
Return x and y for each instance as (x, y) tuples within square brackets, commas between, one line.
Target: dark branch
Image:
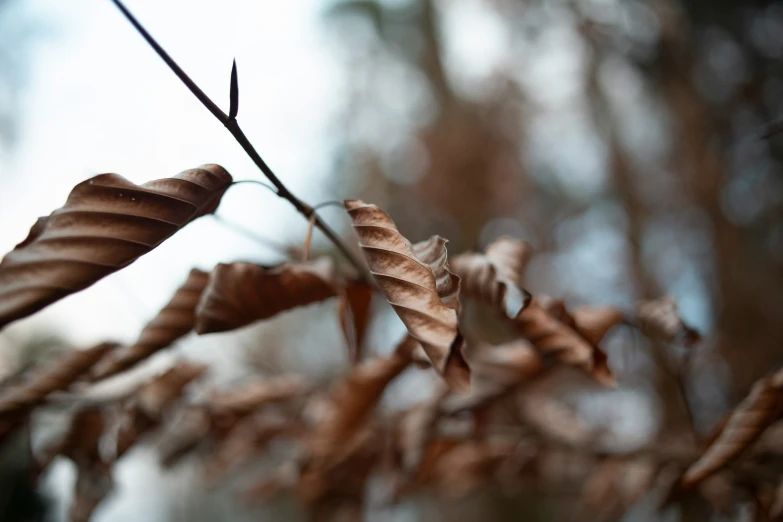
[(233, 127), (233, 93)]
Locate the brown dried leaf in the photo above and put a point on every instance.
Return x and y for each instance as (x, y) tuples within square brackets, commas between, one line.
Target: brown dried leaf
[(660, 320), (240, 293), (409, 284), (354, 312), (496, 276), (551, 336), (432, 252), (174, 321), (57, 376), (106, 224), (746, 423)]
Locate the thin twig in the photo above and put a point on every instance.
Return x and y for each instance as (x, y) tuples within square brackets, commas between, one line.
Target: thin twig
[(233, 127), (256, 182), (333, 203)]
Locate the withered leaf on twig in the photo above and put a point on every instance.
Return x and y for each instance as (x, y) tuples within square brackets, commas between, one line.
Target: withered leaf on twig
[(175, 320), (240, 293), (424, 299), (496, 276), (660, 320), (746, 423), (549, 331), (106, 224)]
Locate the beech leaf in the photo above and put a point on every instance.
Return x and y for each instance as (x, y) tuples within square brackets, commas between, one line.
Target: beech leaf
[(428, 309), (746, 423), (241, 293), (552, 330), (106, 224), (660, 320), (496, 276), (174, 321)]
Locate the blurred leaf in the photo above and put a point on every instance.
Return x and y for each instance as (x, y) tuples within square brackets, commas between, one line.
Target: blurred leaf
[(106, 224), (241, 293)]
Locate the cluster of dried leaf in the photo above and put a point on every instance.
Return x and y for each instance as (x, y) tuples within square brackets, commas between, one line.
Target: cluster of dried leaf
[(459, 439)]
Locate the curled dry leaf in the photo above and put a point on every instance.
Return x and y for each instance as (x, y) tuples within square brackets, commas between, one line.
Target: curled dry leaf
[(746, 423), (550, 335), (58, 375), (240, 293), (106, 224), (424, 299), (496, 275), (660, 320)]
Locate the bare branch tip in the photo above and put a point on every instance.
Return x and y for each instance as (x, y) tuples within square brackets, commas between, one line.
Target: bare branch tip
[(234, 93)]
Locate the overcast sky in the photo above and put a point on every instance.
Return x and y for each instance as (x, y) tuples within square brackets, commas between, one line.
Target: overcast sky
[(99, 100)]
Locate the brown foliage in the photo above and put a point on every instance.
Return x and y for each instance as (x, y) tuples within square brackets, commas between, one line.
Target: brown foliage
[(752, 416), (424, 299), (496, 275), (175, 320), (660, 320), (552, 335), (240, 293), (106, 224)]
